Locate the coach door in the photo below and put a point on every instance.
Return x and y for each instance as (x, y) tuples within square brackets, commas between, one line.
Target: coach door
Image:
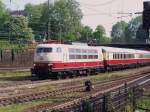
[(64, 59), (65, 55), (104, 58)]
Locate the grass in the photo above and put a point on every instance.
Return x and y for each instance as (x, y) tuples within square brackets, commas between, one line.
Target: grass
[(21, 107), (14, 73), (110, 75), (7, 45), (24, 106), (144, 103)]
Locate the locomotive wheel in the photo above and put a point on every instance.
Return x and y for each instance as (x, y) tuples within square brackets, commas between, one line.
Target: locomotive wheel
[(58, 77), (88, 72)]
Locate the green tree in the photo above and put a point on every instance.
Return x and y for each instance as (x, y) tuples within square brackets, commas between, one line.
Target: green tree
[(86, 34), (19, 28), (99, 34), (4, 17), (65, 19), (34, 13), (106, 40), (132, 28), (118, 32)]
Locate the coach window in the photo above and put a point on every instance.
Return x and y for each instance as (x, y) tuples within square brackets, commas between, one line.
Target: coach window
[(130, 56), (127, 56), (90, 57), (120, 56), (95, 56), (78, 56), (124, 56), (114, 56), (84, 56), (71, 56)]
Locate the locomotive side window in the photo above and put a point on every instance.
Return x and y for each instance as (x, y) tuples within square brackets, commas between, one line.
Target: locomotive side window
[(78, 56), (58, 50), (78, 50), (72, 57), (83, 53), (72, 50), (44, 50)]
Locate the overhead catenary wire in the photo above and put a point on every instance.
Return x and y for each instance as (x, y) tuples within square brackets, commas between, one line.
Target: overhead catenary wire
[(120, 14), (99, 4), (97, 12)]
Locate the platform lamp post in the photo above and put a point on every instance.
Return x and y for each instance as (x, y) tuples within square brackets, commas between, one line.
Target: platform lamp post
[(9, 29)]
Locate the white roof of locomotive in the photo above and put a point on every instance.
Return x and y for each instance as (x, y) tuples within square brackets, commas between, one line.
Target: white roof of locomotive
[(68, 46)]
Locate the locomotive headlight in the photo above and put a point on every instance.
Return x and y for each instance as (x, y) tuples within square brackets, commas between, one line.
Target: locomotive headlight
[(49, 64), (34, 64)]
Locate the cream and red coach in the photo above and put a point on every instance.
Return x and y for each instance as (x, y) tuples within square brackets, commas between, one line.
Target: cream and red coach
[(55, 60), (117, 58)]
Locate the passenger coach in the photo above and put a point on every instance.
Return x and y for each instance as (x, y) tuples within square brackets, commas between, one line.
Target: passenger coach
[(117, 58)]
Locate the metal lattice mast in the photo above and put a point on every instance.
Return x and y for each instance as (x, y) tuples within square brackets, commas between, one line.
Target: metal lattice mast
[(50, 2)]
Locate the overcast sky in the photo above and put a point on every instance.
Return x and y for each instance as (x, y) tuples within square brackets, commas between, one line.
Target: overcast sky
[(96, 12)]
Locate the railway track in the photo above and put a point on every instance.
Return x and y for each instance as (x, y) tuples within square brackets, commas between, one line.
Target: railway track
[(20, 82), (20, 88), (64, 91), (7, 91), (99, 90)]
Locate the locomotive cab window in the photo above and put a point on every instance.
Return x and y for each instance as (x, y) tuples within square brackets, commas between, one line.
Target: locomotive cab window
[(44, 50)]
